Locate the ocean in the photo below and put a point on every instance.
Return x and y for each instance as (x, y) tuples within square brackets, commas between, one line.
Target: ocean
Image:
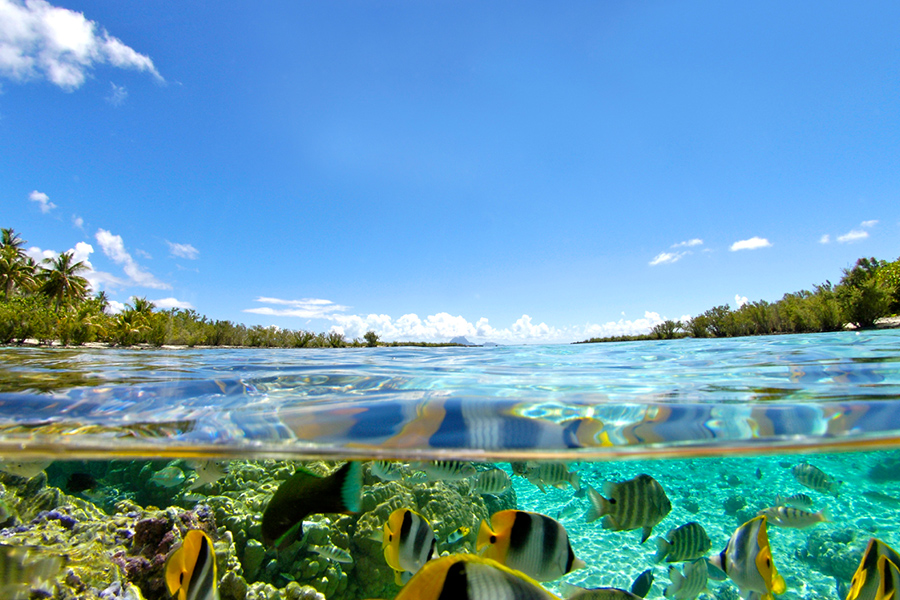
[(109, 456)]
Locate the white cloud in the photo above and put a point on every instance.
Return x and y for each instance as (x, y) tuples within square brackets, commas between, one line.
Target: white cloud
[(114, 307), (117, 95), (689, 243), (666, 258), (306, 308), (750, 244), (38, 255), (825, 239), (166, 303), (854, 235), (77, 221), (868, 224), (183, 250), (42, 199), (114, 248), (739, 300), (622, 327), (38, 40)]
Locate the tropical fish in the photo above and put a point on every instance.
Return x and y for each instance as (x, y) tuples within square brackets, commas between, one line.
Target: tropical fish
[(888, 580), (305, 493), (881, 497), (408, 543), (687, 586), (386, 470), (638, 503), (26, 469), (642, 583), (788, 516), (492, 481), (471, 577), (571, 509), (458, 534), (206, 471), (867, 579), (168, 477), (573, 592), (191, 568), (332, 552), (747, 560), (797, 501), (529, 542), (448, 470), (555, 474), (27, 572), (683, 543), (815, 479)]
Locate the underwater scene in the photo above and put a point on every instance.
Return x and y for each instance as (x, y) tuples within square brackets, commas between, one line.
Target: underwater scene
[(752, 468)]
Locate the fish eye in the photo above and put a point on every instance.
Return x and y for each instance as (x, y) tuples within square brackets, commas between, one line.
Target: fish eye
[(391, 538), (493, 539), (612, 500)]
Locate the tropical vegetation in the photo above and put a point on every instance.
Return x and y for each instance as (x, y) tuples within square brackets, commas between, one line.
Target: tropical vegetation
[(868, 291)]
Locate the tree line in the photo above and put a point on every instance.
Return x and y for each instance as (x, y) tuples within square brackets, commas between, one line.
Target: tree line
[(867, 292), (51, 301)]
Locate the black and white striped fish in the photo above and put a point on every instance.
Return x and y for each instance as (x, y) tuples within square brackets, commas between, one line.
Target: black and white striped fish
[(683, 543), (815, 479), (529, 542), (638, 503), (492, 481), (191, 569), (408, 543)]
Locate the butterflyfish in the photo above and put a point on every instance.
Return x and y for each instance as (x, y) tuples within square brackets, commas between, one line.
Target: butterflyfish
[(867, 578), (471, 577), (530, 542), (747, 560), (408, 543), (638, 503), (305, 493), (191, 569)]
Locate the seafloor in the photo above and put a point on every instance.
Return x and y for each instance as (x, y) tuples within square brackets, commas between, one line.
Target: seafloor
[(116, 533)]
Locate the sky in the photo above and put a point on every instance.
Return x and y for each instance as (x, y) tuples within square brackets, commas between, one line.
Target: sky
[(517, 172)]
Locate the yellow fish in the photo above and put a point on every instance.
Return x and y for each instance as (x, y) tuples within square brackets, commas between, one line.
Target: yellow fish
[(191, 569), (871, 571), (408, 543), (529, 542), (747, 560)]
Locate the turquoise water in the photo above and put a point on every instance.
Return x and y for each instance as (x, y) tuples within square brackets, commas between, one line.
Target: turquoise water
[(719, 423)]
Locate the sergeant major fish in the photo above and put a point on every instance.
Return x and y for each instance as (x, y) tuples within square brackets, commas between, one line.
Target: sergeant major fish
[(386, 470), (815, 479), (555, 474), (529, 542), (492, 481), (448, 470), (747, 560), (408, 543), (687, 586), (638, 503), (788, 516), (191, 569), (683, 543), (332, 552), (797, 501)]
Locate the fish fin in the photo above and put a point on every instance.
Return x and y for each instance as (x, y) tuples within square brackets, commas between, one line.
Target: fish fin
[(575, 480), (351, 487), (715, 568), (608, 522), (597, 507), (577, 564), (826, 515), (647, 531), (778, 585), (608, 488), (662, 549), (398, 577)]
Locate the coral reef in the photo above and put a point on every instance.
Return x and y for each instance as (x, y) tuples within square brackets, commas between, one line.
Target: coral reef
[(835, 552)]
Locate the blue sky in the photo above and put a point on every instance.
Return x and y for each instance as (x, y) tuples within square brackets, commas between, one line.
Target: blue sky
[(513, 171)]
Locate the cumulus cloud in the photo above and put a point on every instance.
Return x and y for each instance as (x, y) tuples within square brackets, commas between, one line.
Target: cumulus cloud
[(854, 235), (183, 250), (825, 239), (666, 258), (750, 244), (739, 300), (114, 248), (42, 199), (623, 326), (689, 243), (167, 303), (38, 40)]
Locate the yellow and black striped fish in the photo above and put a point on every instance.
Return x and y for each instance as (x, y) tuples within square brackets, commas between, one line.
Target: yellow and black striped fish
[(874, 573), (471, 577), (529, 542), (683, 543), (747, 560), (191, 569), (638, 503), (408, 543)]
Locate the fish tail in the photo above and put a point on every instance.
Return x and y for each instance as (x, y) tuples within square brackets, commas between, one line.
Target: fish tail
[(351, 485), (598, 505), (662, 549), (575, 480)]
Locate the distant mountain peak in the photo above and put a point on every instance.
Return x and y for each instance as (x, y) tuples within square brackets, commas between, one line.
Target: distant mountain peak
[(461, 339)]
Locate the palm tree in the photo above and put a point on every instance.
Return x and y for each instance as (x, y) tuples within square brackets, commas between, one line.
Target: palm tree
[(9, 237), (17, 270), (61, 281)]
